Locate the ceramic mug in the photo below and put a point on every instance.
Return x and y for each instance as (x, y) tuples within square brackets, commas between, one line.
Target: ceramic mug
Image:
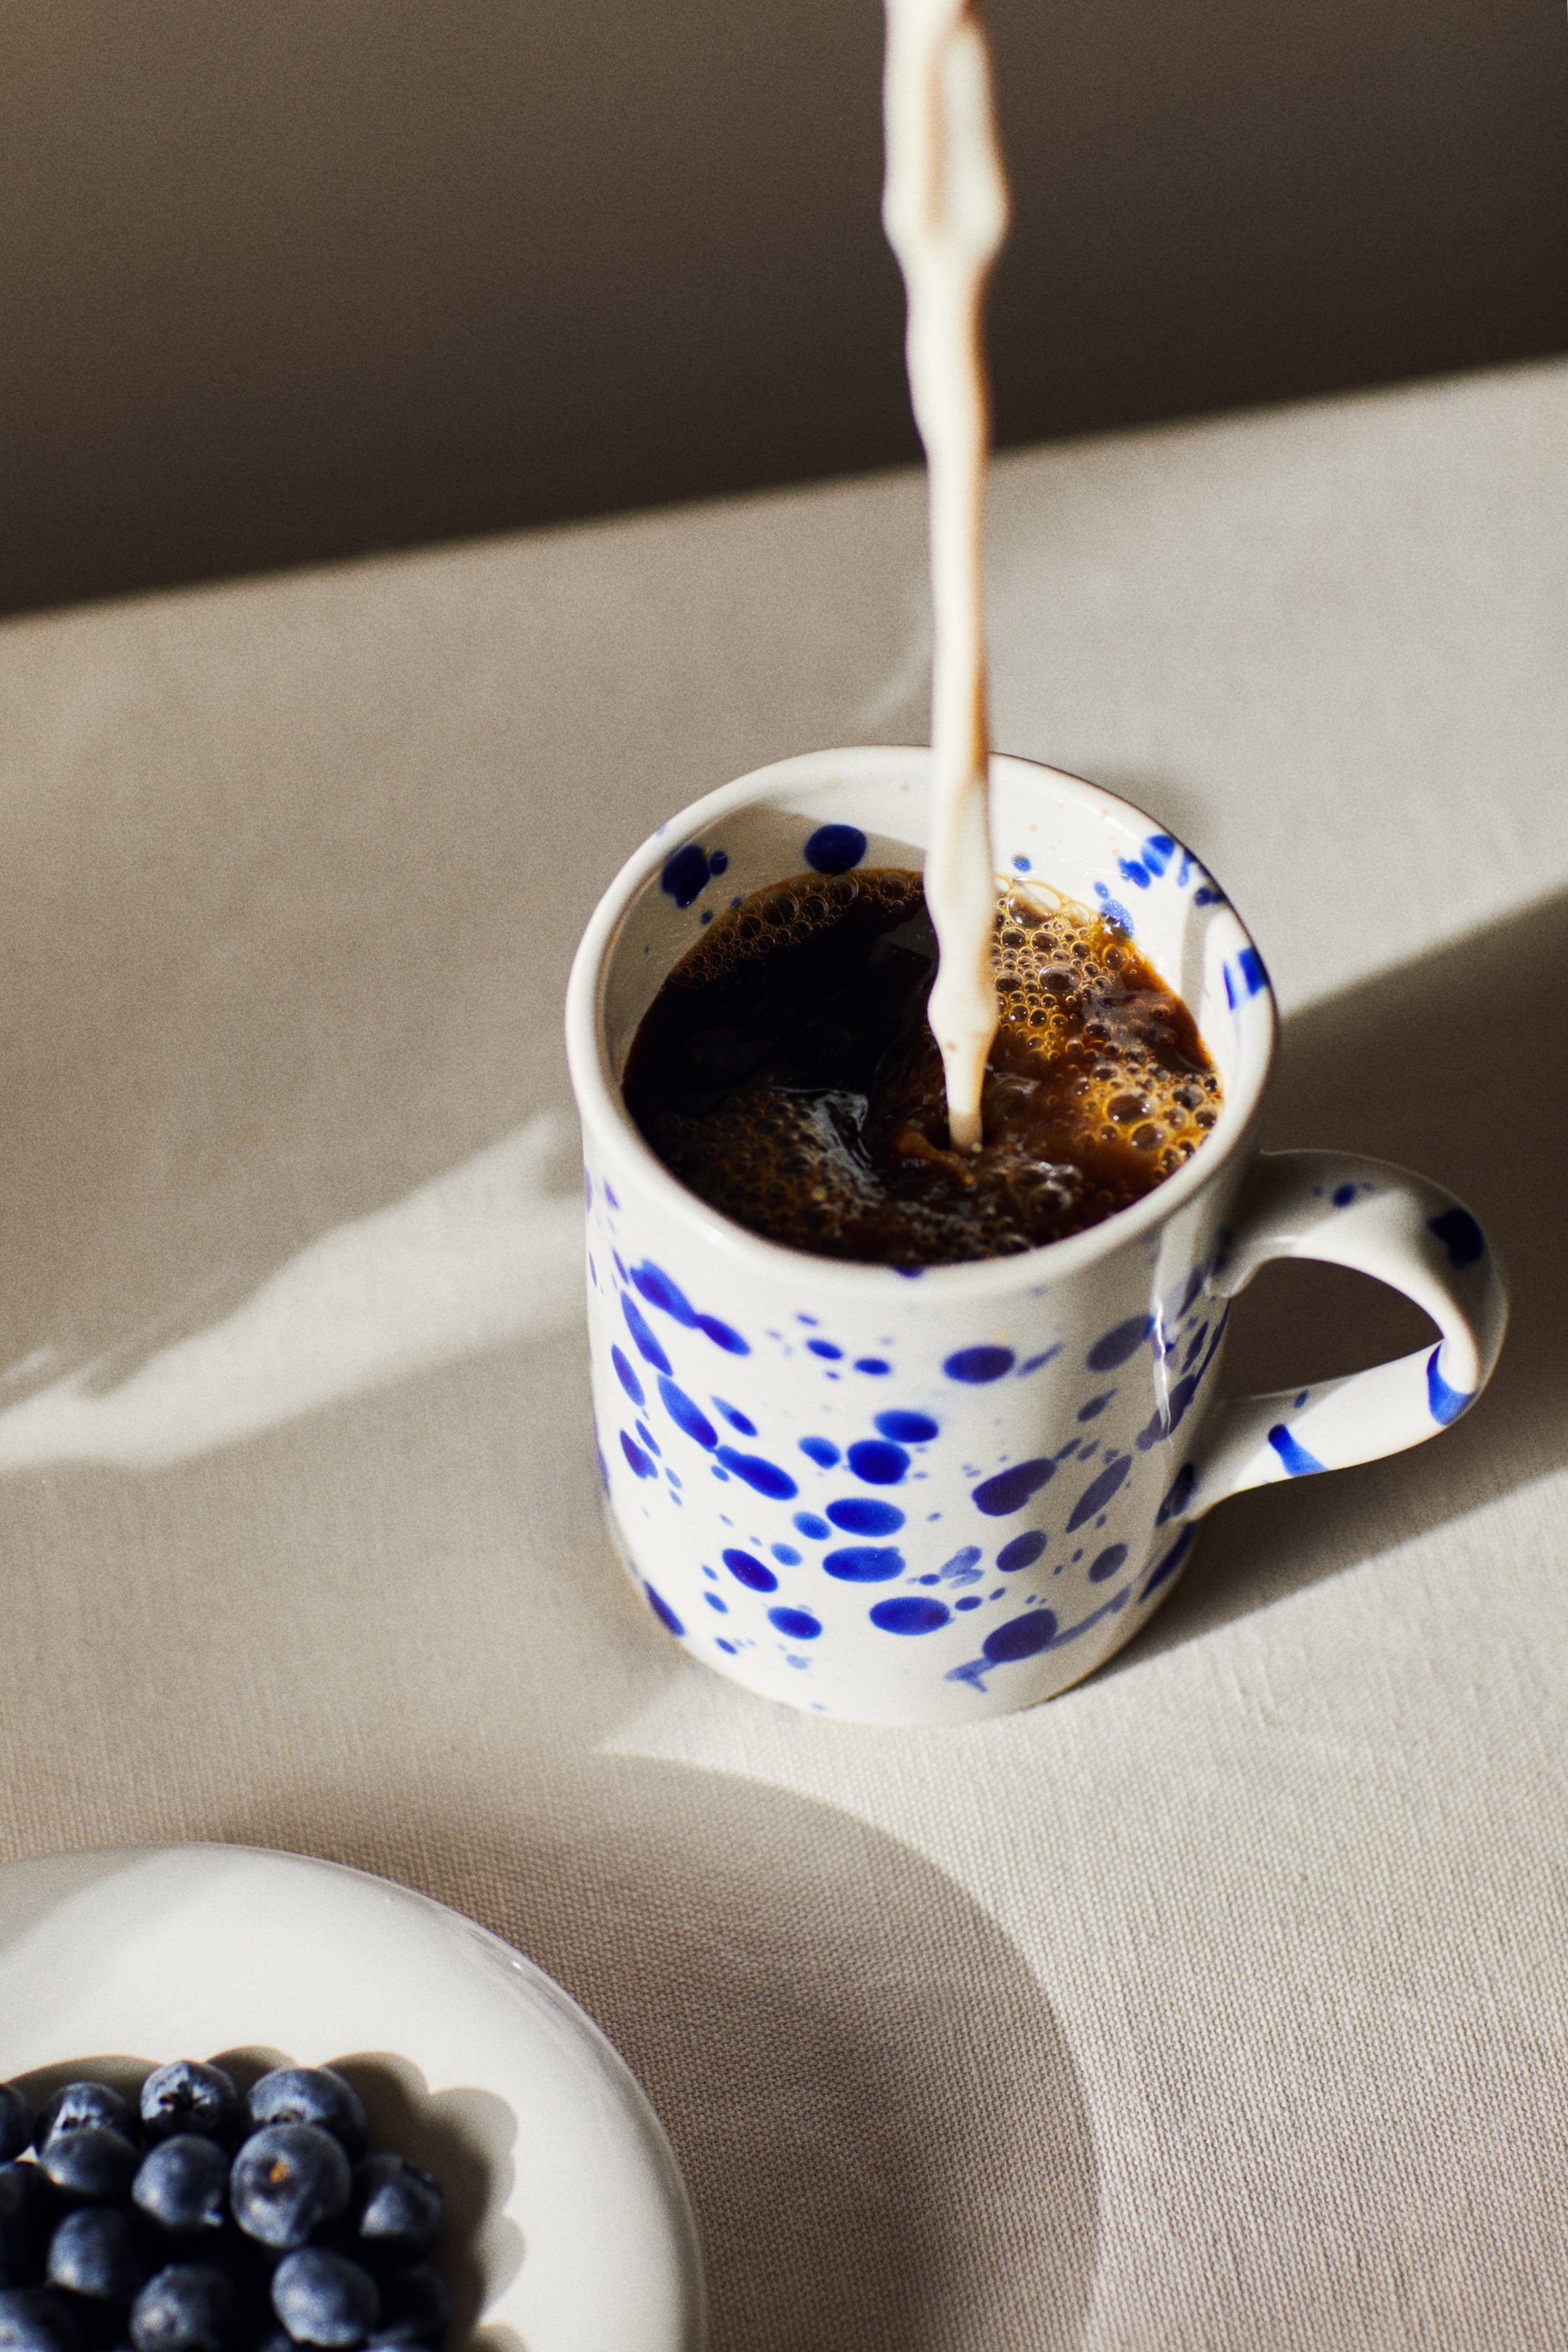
[(929, 1498)]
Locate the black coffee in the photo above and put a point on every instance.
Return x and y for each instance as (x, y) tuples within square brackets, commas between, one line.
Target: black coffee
[(786, 1073)]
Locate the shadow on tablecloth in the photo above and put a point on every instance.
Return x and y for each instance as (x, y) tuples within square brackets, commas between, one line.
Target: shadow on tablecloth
[(877, 2113)]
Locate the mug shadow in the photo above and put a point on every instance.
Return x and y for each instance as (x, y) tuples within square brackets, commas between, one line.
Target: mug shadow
[(877, 2114), (1452, 1065)]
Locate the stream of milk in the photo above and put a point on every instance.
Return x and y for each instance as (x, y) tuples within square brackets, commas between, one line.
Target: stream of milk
[(944, 207)]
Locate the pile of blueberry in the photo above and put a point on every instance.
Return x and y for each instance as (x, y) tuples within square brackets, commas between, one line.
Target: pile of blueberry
[(209, 2222)]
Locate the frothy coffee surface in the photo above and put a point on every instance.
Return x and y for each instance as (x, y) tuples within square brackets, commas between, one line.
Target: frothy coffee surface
[(787, 1075)]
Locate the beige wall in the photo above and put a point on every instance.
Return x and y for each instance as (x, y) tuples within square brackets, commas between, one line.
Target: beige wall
[(293, 279)]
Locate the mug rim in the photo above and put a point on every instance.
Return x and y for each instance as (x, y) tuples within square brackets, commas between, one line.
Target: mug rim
[(600, 1099)]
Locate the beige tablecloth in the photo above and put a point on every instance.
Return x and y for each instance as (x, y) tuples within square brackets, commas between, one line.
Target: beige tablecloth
[(1221, 2002)]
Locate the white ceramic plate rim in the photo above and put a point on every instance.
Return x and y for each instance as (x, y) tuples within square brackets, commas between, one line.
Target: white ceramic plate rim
[(160, 1951)]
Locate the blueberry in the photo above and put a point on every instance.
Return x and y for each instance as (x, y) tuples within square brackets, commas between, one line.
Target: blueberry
[(288, 2181), (32, 2319), (324, 2299), (183, 2184), (16, 2122), (186, 2097), (397, 2206), (89, 2164), (188, 2307), (24, 2218), (415, 2306), (81, 2107), (310, 2094), (96, 2252)]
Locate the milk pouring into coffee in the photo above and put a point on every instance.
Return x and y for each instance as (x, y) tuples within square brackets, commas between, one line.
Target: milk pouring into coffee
[(945, 211), (788, 1071)]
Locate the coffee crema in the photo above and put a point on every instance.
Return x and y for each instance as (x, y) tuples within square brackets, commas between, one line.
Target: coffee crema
[(787, 1075)]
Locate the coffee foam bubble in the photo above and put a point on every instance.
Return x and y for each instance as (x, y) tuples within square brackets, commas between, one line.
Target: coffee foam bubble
[(1053, 960)]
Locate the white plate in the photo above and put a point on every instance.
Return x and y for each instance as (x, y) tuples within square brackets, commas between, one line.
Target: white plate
[(560, 2182)]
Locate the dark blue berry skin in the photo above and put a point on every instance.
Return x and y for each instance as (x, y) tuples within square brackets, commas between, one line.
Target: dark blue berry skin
[(182, 2185), (96, 2252), (186, 2097), (26, 2214), (310, 2094), (325, 2299), (80, 2106), (16, 2122), (288, 2181), (396, 2208), (89, 2164), (415, 2306), (188, 2307), (32, 2319)]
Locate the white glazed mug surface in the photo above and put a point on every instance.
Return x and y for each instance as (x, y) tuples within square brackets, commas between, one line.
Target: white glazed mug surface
[(930, 1497)]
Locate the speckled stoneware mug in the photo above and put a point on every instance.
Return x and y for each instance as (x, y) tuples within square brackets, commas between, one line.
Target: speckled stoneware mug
[(926, 1498)]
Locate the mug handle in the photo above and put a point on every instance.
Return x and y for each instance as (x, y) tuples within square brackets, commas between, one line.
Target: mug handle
[(1399, 1228)]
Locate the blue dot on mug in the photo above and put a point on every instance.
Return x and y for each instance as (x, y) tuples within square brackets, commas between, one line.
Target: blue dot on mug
[(685, 875), (1179, 1494), (864, 1564), (1106, 1564), (1010, 1489), (807, 1524), (1460, 1237), (905, 1428), (1021, 1637), (977, 1365), (1446, 1403), (646, 1346), (724, 1335), (750, 1572), (798, 1624), (1122, 1340), (820, 1450), (765, 1476), (835, 848), (877, 1462), (687, 1415), (1021, 1553), (662, 1609), (627, 1377), (909, 1614), (862, 1515), (636, 1460), (1098, 1492)]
